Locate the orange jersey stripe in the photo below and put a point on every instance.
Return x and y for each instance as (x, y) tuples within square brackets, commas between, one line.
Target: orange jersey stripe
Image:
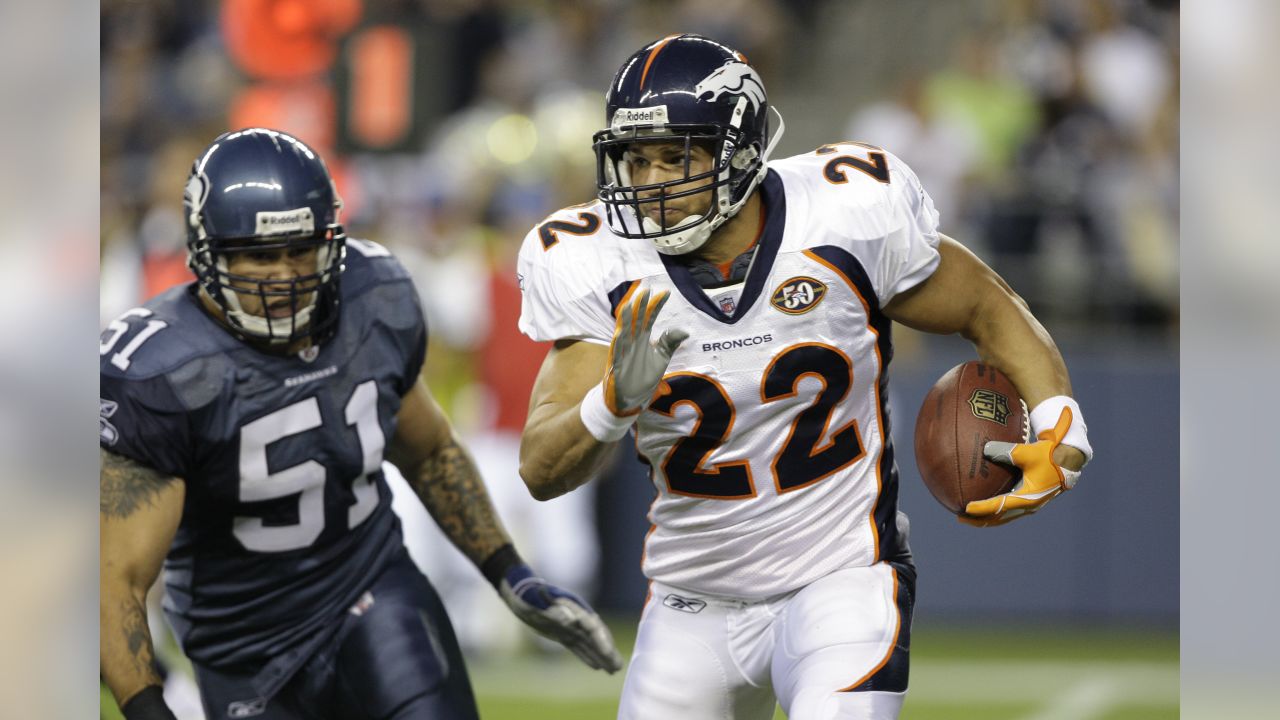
[(892, 644), (875, 532)]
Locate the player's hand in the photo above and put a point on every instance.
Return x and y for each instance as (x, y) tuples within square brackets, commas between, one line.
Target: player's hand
[(636, 361), (1044, 476), (561, 616)]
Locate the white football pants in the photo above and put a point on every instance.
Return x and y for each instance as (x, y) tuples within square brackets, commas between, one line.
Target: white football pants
[(701, 657)]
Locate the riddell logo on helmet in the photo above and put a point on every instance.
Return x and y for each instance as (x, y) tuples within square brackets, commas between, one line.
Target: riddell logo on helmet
[(623, 117), (286, 222)]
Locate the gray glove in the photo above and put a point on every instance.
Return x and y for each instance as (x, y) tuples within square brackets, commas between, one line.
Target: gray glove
[(561, 616), (637, 363)]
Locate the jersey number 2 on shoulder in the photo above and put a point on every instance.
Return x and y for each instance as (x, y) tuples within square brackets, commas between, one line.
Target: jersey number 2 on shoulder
[(875, 165), (306, 479), (803, 460)]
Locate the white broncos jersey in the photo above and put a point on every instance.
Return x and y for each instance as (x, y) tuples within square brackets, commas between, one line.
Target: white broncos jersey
[(768, 442)]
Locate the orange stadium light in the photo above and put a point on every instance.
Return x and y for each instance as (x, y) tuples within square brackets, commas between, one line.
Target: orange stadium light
[(302, 109), (286, 39), (380, 112), (305, 110)]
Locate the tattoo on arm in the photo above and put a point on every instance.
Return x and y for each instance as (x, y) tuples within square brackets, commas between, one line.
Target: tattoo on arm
[(127, 485), (137, 636), (450, 486)]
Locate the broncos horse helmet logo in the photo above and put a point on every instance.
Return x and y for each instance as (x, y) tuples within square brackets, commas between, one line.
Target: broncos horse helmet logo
[(732, 78)]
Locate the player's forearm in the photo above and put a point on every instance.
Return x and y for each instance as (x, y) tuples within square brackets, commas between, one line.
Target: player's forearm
[(1008, 337), (557, 453), (451, 489), (127, 655)]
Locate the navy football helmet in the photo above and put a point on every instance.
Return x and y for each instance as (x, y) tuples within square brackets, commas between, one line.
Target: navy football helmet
[(691, 89), (263, 190)]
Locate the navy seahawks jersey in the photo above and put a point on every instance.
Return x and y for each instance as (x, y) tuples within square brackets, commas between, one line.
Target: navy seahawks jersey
[(287, 518)]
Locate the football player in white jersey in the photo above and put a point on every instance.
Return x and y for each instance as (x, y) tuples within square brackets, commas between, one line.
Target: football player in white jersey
[(734, 312)]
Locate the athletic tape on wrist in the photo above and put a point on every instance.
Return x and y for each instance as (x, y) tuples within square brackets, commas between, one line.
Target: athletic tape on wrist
[(495, 567), (148, 704), (1046, 414), (600, 420)]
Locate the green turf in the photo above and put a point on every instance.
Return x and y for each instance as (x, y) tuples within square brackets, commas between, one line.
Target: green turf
[(566, 710), (956, 674)]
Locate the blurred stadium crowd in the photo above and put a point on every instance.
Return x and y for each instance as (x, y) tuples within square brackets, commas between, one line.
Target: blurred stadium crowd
[(1045, 130)]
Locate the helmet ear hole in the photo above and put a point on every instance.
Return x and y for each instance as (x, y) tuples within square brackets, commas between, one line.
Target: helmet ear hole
[(743, 158)]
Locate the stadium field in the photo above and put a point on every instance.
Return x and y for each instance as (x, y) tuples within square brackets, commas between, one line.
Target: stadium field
[(1024, 674), (1037, 673)]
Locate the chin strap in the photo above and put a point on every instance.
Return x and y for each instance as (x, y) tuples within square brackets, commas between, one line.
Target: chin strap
[(695, 237)]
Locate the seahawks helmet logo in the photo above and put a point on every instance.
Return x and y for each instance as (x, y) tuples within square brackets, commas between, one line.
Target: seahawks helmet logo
[(732, 78), (194, 197)]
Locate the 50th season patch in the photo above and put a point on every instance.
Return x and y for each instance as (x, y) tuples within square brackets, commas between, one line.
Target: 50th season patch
[(798, 295), (989, 405)]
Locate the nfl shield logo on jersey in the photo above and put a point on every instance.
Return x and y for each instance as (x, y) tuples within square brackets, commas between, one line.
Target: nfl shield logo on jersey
[(798, 295), (727, 304)]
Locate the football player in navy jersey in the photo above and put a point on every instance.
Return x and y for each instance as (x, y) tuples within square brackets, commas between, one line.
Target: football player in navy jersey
[(244, 420)]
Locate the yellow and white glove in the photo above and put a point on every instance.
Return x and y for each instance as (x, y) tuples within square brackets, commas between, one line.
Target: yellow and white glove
[(1042, 477), (637, 363)]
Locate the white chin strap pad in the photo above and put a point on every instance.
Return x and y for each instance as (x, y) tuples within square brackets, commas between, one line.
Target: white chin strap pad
[(686, 241), (273, 329)]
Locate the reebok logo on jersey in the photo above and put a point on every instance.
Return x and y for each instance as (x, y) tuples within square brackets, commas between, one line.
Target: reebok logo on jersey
[(106, 431), (737, 343), (689, 605), (798, 295), (247, 708)]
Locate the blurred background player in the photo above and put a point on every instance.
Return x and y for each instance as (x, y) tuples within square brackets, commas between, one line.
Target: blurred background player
[(734, 313), (447, 155), (244, 422)]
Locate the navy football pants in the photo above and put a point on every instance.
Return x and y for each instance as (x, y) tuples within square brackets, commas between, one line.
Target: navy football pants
[(394, 658)]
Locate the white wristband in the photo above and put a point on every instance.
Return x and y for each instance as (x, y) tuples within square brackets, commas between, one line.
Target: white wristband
[(600, 420), (1046, 414)]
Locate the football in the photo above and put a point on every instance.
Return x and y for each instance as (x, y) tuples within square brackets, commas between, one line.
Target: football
[(969, 405)]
